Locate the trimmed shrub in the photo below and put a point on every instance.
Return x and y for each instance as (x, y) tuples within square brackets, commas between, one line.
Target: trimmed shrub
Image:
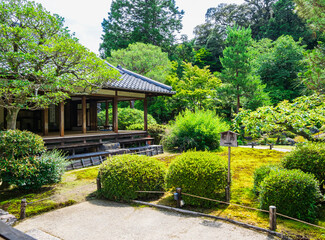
[(123, 175), (293, 192), (310, 158), (198, 130), (200, 173), (42, 170), (20, 143), (127, 117), (260, 174), (24, 162)]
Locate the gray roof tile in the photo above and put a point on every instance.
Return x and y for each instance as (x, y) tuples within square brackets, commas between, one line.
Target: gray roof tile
[(132, 81)]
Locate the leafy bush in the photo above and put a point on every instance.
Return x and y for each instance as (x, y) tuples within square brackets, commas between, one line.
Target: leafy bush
[(45, 169), (260, 174), (198, 130), (309, 158), (122, 175), (24, 162), (293, 192), (20, 143), (127, 117), (200, 173)]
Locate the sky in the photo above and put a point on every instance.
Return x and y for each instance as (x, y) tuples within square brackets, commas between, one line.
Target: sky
[(84, 17)]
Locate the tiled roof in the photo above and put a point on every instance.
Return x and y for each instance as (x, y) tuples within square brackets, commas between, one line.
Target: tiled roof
[(132, 81)]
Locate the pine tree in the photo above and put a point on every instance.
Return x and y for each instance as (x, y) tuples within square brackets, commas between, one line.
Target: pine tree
[(238, 73), (147, 21)]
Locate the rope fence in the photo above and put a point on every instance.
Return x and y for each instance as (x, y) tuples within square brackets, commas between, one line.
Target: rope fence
[(272, 212)]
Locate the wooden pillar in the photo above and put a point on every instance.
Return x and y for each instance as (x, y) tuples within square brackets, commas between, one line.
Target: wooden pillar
[(93, 115), (46, 121), (61, 119), (106, 117), (145, 117), (84, 114), (115, 115)]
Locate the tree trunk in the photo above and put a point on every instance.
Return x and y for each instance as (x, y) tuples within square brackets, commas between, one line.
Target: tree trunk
[(11, 118), (238, 100)]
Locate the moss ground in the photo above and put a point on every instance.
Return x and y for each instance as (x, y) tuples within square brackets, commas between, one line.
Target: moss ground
[(243, 163)]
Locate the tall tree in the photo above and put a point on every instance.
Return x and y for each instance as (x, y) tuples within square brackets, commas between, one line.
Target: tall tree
[(40, 63), (278, 64), (237, 72), (145, 59), (284, 21), (147, 21)]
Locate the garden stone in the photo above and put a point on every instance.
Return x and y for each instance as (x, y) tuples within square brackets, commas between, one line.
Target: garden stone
[(291, 141), (7, 218)]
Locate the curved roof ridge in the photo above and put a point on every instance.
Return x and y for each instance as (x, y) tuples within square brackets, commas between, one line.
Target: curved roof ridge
[(144, 78), (116, 68)]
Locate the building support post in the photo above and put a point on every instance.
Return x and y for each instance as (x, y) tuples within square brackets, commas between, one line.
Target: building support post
[(84, 114), (115, 114), (145, 111), (61, 119), (46, 122), (106, 113)]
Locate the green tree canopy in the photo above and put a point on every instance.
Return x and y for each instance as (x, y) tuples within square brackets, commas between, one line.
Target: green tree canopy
[(195, 90), (237, 73), (278, 64), (298, 117), (40, 62), (145, 59), (149, 21)]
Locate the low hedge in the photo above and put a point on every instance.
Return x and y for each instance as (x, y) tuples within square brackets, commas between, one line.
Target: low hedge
[(261, 173), (123, 175), (309, 158), (293, 192), (200, 173)]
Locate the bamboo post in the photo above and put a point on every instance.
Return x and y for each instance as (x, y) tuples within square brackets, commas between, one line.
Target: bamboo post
[(23, 206), (272, 217)]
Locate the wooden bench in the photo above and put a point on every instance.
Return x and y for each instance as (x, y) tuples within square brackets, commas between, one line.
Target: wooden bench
[(123, 142), (75, 146)]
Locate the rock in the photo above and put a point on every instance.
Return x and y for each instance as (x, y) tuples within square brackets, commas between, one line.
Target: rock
[(7, 218), (290, 141)]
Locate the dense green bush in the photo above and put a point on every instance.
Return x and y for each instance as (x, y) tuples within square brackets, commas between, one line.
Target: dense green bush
[(198, 130), (24, 162), (20, 143), (45, 169), (260, 174), (309, 158), (293, 192), (123, 175), (200, 173), (126, 117)]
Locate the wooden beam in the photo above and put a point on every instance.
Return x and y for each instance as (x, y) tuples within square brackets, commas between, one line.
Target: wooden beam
[(61, 119), (46, 122), (145, 117), (115, 114), (106, 117), (84, 114)]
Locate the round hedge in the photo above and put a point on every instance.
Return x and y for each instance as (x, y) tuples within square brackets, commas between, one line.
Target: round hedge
[(200, 173), (261, 173), (123, 175), (309, 158), (293, 192), (19, 143)]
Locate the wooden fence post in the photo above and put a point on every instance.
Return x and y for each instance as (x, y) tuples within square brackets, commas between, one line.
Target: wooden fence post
[(272, 217), (23, 206), (99, 185), (271, 146), (179, 197)]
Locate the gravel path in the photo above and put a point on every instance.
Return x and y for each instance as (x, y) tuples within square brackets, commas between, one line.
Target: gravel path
[(99, 219)]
